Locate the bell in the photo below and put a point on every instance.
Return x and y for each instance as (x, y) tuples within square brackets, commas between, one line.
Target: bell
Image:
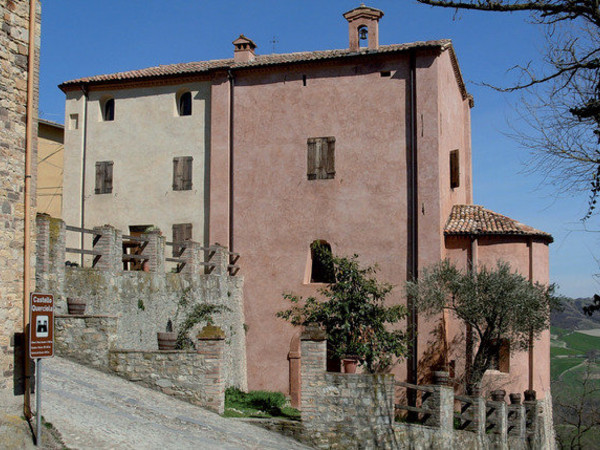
[(363, 34)]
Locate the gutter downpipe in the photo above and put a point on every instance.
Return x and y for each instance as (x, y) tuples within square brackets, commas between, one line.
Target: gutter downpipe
[(413, 224), (231, 79), (85, 91), (27, 205), (473, 264), (530, 349)]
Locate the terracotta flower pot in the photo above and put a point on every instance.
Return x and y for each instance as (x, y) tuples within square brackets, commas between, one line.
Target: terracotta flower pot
[(76, 306), (350, 364), (166, 340)]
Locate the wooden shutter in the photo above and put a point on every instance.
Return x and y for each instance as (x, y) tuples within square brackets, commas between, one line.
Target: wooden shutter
[(99, 178), (311, 166), (104, 177), (454, 169), (321, 158), (187, 173), (182, 173), (108, 177), (328, 155), (181, 232)]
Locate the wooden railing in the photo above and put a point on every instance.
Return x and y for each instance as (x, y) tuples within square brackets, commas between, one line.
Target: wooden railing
[(132, 257), (466, 402), (82, 251), (178, 248), (419, 413)]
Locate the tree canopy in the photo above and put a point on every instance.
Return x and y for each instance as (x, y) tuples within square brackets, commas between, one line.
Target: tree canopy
[(498, 303), (564, 110), (353, 313)]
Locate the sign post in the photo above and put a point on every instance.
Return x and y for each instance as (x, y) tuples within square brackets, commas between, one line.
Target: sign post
[(41, 345)]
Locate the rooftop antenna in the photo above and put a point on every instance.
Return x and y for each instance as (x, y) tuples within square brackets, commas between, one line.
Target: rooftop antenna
[(273, 42)]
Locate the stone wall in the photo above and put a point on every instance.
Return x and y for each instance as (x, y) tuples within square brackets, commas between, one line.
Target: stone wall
[(85, 339), (14, 40), (342, 410), (193, 376), (143, 301)]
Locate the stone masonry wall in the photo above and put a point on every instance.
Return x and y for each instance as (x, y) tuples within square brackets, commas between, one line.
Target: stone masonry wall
[(85, 339), (14, 39), (343, 410), (193, 376), (143, 301)]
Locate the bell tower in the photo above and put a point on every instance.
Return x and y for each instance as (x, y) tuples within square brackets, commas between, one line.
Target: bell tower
[(363, 25)]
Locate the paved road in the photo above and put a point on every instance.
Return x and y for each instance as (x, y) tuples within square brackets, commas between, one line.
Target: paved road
[(94, 410)]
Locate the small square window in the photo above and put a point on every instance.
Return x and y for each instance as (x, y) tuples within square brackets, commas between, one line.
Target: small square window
[(104, 177), (73, 121), (182, 173), (321, 158)]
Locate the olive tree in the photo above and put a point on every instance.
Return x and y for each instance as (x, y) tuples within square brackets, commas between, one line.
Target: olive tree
[(498, 303)]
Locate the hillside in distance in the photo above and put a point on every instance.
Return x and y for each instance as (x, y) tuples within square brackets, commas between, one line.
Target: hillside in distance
[(573, 318)]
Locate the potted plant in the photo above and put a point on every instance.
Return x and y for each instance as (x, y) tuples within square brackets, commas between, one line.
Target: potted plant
[(180, 340), (76, 306), (167, 338), (354, 315)]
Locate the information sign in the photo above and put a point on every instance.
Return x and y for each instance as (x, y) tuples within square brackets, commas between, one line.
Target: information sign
[(41, 326)]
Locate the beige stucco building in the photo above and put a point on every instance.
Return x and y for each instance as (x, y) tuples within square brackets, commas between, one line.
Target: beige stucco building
[(365, 148), (50, 167)]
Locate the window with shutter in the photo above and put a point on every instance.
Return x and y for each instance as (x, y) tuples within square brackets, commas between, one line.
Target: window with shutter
[(181, 232), (454, 170), (182, 173), (104, 177), (320, 158)]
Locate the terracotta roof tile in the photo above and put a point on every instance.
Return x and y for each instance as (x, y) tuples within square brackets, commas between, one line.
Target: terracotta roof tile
[(261, 60), (475, 220)]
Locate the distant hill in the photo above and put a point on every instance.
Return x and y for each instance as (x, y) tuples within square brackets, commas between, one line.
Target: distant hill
[(573, 318)]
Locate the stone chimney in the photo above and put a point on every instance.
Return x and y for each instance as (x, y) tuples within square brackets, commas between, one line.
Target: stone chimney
[(363, 24), (244, 49)]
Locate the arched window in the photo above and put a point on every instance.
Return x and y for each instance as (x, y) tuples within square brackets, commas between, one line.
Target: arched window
[(184, 105), (108, 109), (322, 263)]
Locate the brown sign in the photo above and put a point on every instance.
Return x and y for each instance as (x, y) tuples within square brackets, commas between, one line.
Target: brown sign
[(41, 326)]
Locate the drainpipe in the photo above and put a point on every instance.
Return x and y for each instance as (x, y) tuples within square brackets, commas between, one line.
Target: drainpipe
[(231, 185), (27, 205), (530, 350), (473, 263), (413, 219), (85, 91)]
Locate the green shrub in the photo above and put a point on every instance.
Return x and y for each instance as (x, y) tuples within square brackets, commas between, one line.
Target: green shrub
[(257, 404)]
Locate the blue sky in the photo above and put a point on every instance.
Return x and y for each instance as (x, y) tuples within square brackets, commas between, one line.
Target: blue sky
[(83, 38)]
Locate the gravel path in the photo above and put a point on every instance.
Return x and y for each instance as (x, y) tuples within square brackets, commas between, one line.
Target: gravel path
[(93, 410)]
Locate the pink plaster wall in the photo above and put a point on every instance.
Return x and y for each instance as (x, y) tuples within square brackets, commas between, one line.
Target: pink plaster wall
[(278, 212)]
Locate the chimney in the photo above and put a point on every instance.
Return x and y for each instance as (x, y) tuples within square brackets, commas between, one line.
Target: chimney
[(363, 24), (244, 49)]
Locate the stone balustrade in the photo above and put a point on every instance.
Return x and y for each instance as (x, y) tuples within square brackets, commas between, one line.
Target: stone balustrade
[(342, 410)]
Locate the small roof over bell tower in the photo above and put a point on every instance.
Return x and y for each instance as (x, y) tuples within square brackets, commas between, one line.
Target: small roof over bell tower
[(363, 24), (244, 49)]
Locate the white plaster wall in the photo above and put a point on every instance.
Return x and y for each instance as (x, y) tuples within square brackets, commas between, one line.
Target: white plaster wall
[(142, 141)]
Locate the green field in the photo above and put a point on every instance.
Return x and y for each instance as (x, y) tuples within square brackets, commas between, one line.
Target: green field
[(574, 383)]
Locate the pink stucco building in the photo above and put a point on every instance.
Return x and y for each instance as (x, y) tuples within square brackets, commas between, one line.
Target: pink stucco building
[(367, 148)]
